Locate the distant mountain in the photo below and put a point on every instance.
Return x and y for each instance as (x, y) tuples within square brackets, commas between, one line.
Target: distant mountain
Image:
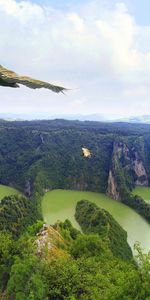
[(136, 119), (48, 116), (91, 117)]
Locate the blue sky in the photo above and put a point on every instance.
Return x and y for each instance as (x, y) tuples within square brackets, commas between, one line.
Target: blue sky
[(100, 47), (139, 8)]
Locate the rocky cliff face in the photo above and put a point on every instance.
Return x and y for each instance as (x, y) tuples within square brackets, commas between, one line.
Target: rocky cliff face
[(27, 189), (128, 165), (140, 172), (112, 187)]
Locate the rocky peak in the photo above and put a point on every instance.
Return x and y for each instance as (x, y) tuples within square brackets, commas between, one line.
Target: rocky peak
[(48, 242), (120, 149)]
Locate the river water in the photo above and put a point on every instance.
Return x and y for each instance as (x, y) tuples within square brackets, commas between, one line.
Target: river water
[(60, 205)]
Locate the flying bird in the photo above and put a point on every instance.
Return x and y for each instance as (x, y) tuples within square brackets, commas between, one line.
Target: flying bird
[(86, 152), (11, 79)]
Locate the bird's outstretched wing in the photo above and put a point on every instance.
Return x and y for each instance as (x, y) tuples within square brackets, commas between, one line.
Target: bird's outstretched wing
[(11, 79)]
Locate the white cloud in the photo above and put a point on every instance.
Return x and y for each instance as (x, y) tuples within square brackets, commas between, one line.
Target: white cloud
[(102, 50), (23, 10), (77, 21), (119, 35)]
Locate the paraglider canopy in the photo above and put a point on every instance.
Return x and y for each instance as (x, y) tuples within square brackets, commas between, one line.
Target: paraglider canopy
[(86, 152)]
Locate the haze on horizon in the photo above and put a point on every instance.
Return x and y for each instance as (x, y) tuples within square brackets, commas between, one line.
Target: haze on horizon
[(101, 47)]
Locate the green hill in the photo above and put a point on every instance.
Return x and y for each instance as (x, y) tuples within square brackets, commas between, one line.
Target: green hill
[(43, 155), (93, 219)]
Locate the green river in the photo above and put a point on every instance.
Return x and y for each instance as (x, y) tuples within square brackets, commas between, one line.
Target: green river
[(144, 192), (7, 191), (60, 205)]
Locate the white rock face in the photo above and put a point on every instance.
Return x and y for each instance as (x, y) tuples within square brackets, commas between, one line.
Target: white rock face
[(129, 161), (140, 173), (112, 187)]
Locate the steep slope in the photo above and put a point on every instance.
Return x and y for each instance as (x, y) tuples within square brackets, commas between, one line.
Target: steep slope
[(93, 219), (38, 156), (127, 167)]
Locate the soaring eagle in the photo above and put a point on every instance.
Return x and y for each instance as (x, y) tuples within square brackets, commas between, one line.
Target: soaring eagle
[(11, 79)]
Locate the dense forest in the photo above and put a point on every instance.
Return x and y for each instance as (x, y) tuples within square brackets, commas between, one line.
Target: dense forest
[(92, 219), (41, 155), (42, 262), (59, 262), (17, 212)]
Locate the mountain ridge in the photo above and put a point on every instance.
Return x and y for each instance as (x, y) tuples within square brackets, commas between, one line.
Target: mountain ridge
[(145, 119)]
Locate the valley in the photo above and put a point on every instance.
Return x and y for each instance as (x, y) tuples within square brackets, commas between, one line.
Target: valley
[(60, 205), (43, 161), (74, 150)]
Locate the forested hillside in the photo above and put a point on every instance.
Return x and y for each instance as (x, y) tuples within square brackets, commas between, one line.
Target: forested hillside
[(59, 262), (41, 155), (93, 219), (50, 156)]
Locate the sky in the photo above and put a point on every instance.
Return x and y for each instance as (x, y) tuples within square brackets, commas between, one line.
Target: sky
[(99, 49)]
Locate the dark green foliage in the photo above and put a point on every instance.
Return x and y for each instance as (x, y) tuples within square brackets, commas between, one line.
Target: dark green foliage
[(26, 280), (91, 279), (92, 219), (68, 231), (42, 155), (16, 213), (6, 252), (90, 271), (51, 157), (85, 278), (34, 229), (143, 269), (137, 203), (90, 245)]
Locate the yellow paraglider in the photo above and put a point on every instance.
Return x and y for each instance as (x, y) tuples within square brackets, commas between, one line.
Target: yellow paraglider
[(86, 152)]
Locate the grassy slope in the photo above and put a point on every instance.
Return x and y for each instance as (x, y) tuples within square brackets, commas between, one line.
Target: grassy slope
[(6, 191)]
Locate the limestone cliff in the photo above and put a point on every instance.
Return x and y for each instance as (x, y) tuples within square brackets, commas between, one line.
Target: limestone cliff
[(127, 169), (112, 186), (140, 172)]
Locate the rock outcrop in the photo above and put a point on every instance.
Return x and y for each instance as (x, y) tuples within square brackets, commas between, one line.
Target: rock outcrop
[(140, 172), (128, 166), (48, 243), (112, 187), (27, 189)]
